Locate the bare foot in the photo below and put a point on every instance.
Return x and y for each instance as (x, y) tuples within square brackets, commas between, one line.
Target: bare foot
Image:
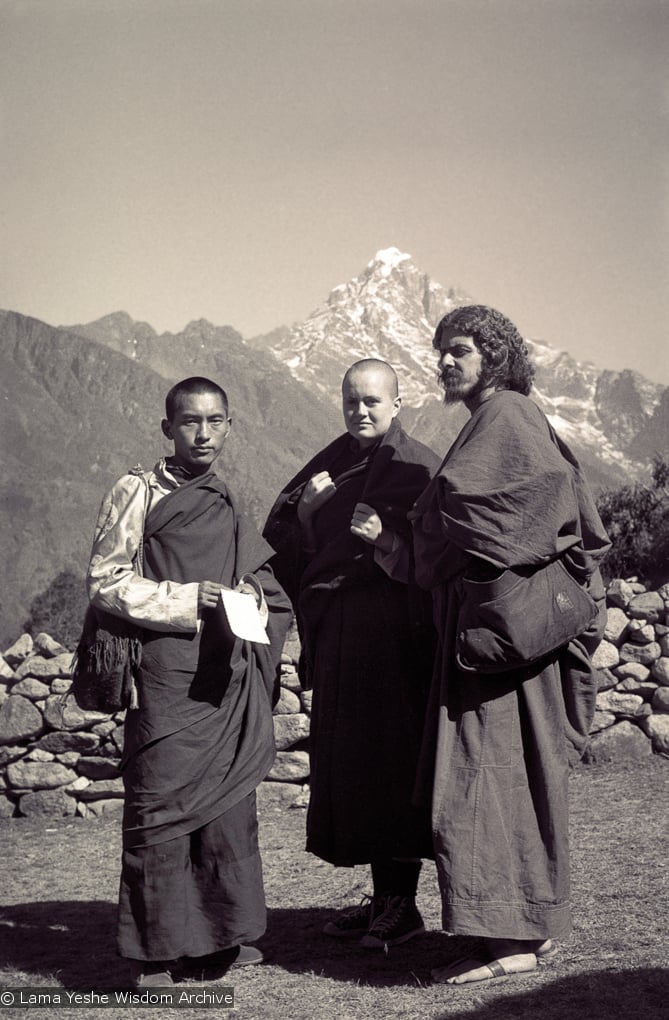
[(463, 972)]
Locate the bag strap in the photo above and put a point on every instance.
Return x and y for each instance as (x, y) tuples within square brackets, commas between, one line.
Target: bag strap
[(138, 562)]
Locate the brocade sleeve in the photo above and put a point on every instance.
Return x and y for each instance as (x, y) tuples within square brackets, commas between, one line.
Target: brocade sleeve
[(112, 582)]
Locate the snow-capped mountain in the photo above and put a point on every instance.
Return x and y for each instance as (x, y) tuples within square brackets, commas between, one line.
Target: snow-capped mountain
[(389, 311), (91, 401), (590, 408), (615, 421)]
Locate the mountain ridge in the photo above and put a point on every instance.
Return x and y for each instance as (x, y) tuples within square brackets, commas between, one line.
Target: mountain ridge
[(86, 414), (616, 421), (81, 404)]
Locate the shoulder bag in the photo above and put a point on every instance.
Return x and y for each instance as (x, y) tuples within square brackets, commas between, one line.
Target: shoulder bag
[(519, 617)]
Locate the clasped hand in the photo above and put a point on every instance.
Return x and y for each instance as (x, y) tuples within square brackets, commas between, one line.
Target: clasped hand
[(318, 490), (366, 523)]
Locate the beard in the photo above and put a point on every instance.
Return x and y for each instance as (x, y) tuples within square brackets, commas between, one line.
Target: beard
[(456, 389)]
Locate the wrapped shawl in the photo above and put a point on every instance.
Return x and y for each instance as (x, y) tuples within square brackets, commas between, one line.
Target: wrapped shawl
[(394, 473), (510, 492), (495, 753), (202, 737), (367, 648)]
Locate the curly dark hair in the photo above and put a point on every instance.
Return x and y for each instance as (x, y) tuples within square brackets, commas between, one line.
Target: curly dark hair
[(506, 359)]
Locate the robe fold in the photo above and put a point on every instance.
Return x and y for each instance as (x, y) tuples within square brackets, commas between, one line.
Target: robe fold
[(496, 751), (367, 648), (202, 737)]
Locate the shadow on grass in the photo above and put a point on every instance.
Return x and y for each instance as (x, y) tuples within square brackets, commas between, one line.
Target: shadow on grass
[(73, 942), (70, 941), (295, 942), (595, 995)]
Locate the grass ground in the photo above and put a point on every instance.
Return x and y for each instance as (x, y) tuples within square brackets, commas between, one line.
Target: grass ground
[(60, 889)]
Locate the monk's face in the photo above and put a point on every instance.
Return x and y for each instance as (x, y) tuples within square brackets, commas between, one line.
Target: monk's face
[(198, 430), (369, 403)]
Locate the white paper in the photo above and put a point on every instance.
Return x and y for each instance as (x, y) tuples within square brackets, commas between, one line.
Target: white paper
[(243, 616)]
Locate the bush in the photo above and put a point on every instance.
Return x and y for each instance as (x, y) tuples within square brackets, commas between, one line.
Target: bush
[(637, 520), (60, 609)]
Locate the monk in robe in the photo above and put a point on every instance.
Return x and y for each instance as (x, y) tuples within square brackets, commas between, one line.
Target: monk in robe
[(509, 494), (343, 543), (201, 739)]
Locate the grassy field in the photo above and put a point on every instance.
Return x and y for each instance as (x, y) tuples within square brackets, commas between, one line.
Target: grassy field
[(60, 880)]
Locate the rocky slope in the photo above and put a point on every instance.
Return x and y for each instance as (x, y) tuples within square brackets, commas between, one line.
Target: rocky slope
[(76, 414)]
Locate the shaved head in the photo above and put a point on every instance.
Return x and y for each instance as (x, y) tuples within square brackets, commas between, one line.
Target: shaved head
[(370, 400), (384, 370), (187, 388)]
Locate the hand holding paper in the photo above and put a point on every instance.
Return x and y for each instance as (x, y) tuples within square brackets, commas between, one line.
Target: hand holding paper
[(244, 616)]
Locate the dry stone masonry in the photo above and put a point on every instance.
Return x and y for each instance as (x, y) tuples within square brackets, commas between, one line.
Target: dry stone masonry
[(632, 717), (56, 759)]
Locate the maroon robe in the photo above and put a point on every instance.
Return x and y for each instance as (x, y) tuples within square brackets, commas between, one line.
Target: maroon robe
[(496, 752), (202, 738), (367, 648), (199, 744)]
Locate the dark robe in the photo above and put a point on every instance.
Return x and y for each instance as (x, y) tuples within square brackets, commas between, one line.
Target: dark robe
[(496, 753), (367, 648), (202, 738)]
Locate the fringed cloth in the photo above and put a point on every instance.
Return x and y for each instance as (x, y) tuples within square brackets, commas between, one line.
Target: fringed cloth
[(105, 662)]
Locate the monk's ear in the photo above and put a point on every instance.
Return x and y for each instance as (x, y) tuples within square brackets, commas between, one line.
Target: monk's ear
[(397, 404), (228, 426), (166, 428)]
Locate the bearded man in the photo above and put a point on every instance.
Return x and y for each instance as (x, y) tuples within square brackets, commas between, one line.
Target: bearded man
[(509, 496)]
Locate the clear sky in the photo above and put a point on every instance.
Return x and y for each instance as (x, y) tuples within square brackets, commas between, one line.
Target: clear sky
[(235, 160)]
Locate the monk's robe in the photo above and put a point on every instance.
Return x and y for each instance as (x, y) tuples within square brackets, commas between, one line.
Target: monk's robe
[(497, 749), (367, 647), (202, 738)]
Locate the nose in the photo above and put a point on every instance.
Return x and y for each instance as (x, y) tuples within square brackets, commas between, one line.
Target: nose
[(202, 432), (446, 360)]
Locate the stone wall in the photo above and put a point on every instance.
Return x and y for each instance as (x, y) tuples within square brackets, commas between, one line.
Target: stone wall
[(632, 717), (56, 759)]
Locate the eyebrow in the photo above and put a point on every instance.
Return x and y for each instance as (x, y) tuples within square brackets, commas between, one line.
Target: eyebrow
[(463, 341), (196, 414)]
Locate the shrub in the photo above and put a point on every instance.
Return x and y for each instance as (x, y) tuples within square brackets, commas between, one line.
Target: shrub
[(60, 609), (637, 520)]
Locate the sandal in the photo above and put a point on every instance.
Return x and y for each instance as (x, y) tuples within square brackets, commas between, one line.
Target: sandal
[(468, 971)]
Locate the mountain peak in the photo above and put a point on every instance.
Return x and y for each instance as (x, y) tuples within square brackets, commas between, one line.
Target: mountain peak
[(387, 259), (388, 311), (117, 330), (117, 325)]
